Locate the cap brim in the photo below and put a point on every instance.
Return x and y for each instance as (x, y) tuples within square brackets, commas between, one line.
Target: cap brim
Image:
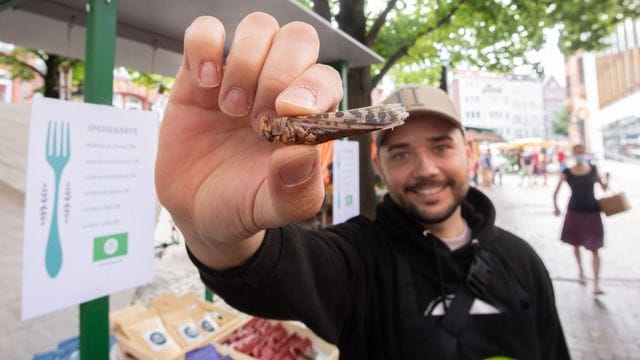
[(382, 134)]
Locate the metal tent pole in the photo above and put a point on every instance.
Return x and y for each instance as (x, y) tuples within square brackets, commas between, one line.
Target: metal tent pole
[(99, 64)]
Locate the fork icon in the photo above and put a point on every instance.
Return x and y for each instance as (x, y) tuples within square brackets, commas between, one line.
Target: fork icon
[(58, 151)]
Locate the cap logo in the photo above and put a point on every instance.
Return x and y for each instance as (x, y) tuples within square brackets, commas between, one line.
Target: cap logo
[(415, 96)]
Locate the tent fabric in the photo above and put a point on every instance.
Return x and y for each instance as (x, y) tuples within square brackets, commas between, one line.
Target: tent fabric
[(326, 158)]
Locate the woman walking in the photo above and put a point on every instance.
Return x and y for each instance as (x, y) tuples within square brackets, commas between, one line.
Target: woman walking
[(582, 223)]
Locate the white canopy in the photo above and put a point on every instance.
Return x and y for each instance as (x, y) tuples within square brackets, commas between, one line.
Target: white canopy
[(150, 32)]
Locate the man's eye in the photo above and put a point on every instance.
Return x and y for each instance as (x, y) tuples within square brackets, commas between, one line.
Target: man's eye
[(399, 156), (441, 148)]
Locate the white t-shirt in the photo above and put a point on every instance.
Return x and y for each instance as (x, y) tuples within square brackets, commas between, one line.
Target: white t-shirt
[(460, 240)]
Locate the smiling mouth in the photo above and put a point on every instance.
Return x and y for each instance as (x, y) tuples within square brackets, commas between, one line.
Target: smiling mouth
[(428, 190)]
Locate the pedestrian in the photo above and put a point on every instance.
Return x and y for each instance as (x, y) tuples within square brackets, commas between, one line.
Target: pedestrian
[(561, 159), (526, 171), (542, 163), (582, 225), (533, 167), (430, 277), (486, 168)]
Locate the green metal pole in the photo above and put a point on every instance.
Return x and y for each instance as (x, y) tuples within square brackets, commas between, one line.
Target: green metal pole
[(99, 64), (6, 4), (343, 69), (208, 294)]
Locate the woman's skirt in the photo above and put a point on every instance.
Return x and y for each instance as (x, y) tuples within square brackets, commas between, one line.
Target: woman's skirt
[(583, 229)]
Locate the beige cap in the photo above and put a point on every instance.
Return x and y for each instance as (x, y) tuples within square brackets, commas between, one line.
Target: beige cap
[(422, 100)]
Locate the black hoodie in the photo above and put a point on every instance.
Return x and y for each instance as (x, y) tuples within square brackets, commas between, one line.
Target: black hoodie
[(366, 285)]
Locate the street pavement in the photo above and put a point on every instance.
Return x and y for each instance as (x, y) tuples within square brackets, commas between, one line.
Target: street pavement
[(602, 327), (596, 327)]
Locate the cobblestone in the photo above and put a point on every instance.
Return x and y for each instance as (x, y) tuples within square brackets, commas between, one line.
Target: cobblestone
[(605, 327), (602, 327)]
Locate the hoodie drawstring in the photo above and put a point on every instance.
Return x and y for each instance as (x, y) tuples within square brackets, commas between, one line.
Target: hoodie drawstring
[(426, 234)]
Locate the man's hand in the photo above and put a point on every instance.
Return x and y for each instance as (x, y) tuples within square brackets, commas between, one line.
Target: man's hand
[(220, 180)]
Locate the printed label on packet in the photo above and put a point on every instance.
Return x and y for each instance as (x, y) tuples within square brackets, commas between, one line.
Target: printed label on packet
[(208, 325), (157, 339), (189, 332)]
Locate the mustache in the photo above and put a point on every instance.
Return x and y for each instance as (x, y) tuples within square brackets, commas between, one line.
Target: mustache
[(427, 182)]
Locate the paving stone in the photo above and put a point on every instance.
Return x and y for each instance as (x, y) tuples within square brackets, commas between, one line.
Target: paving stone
[(604, 327)]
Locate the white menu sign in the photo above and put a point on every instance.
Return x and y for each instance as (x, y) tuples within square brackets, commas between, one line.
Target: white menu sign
[(90, 203), (346, 181)]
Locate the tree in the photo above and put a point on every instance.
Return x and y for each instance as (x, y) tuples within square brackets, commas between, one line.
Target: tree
[(561, 122), (151, 81), (590, 27), (23, 64), (414, 35), (27, 64)]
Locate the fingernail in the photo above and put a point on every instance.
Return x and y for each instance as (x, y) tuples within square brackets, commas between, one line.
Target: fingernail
[(300, 97), (236, 102), (209, 76), (298, 171)]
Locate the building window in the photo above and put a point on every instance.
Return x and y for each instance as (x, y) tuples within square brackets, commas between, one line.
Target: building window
[(581, 70), (5, 87), (117, 101), (133, 103)]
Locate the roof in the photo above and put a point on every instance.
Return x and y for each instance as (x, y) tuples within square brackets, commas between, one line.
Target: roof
[(482, 134), (150, 32)]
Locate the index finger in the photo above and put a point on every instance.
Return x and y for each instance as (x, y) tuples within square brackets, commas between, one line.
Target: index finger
[(199, 76)]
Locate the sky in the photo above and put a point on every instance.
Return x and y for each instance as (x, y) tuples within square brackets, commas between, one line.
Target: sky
[(550, 56)]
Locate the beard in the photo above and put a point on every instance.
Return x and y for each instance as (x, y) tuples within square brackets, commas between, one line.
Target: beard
[(426, 217)]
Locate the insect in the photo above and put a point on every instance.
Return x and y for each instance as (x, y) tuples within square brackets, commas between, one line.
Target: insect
[(319, 128)]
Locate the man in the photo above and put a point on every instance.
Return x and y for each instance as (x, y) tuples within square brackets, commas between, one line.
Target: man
[(391, 288)]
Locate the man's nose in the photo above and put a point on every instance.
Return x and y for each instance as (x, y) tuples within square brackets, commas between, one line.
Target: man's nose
[(425, 166)]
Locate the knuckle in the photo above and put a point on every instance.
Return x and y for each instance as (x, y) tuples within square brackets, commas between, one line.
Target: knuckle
[(259, 19), (329, 78), (301, 31), (330, 73), (276, 81), (245, 61)]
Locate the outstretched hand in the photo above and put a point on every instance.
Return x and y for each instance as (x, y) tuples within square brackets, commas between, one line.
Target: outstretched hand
[(220, 180)]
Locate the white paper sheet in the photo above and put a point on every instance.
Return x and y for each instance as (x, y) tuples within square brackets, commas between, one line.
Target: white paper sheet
[(346, 181), (105, 203)]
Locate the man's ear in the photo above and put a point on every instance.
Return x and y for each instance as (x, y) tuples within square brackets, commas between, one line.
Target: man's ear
[(470, 152), (377, 166)]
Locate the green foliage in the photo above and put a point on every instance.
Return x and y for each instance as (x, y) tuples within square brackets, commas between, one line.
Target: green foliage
[(151, 81), (27, 64), (493, 35), (21, 63), (589, 27), (77, 77), (561, 122)]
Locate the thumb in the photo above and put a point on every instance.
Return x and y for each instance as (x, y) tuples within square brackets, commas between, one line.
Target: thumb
[(294, 186)]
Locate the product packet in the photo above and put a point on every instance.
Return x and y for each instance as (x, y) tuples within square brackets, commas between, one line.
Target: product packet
[(169, 304), (128, 314), (221, 316), (184, 328), (207, 325), (152, 336), (164, 303)]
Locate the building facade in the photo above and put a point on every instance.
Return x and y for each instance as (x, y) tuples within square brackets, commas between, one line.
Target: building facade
[(605, 86), (509, 105), (126, 94), (554, 104)]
